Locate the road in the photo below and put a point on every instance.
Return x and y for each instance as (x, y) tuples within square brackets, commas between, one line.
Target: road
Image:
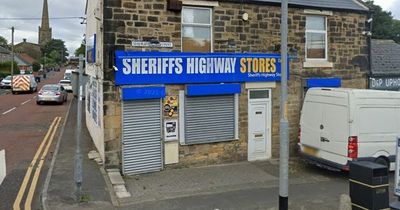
[(24, 125)]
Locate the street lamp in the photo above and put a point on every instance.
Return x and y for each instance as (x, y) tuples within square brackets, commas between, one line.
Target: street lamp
[(284, 124), (12, 55)]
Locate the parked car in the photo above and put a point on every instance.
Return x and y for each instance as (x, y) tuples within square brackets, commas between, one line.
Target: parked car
[(52, 93), (66, 83), (23, 83), (6, 82), (68, 74), (338, 126)]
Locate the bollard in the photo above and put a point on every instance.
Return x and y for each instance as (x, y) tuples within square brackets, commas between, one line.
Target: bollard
[(369, 185)]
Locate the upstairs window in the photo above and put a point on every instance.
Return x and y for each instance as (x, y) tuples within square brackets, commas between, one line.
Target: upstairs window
[(196, 29), (316, 38)]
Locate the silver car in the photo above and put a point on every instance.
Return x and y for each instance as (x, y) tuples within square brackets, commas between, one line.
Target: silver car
[(6, 82), (52, 93)]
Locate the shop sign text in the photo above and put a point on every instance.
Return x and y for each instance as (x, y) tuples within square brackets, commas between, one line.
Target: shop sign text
[(181, 68)]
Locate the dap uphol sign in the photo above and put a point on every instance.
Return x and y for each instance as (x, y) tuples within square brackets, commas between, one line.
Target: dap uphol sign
[(178, 68)]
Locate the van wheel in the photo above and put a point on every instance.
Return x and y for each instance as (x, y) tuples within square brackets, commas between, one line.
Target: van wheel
[(383, 161)]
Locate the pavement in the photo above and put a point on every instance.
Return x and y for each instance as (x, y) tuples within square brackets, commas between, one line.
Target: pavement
[(241, 186), (60, 190)]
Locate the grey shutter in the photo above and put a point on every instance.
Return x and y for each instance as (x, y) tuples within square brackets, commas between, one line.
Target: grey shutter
[(209, 119), (141, 136)]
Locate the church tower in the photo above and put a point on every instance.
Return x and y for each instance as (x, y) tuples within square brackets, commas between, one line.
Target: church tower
[(44, 29)]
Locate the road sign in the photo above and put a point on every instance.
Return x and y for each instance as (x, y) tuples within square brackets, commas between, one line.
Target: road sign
[(136, 43)]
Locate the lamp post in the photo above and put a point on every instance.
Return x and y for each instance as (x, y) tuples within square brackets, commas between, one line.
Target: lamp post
[(12, 55), (284, 124), (78, 153)]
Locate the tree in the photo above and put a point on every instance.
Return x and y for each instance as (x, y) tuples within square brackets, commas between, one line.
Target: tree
[(55, 46), (80, 50), (396, 31), (35, 66), (4, 43), (384, 26)]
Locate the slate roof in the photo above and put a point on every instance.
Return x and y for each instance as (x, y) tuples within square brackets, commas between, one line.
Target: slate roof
[(4, 50), (385, 57)]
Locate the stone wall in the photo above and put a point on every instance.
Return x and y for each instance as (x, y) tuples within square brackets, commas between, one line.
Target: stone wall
[(125, 20)]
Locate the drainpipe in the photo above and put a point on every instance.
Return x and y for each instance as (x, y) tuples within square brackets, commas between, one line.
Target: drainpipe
[(369, 35)]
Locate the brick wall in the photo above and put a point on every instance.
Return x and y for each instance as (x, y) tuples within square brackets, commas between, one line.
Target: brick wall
[(125, 20)]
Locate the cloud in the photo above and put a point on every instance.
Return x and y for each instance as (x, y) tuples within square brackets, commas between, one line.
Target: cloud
[(70, 30), (390, 5), (395, 9)]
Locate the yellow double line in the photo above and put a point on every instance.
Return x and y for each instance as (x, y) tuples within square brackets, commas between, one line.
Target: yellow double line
[(48, 139)]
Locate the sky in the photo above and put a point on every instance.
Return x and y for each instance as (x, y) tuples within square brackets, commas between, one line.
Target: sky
[(390, 5), (71, 31)]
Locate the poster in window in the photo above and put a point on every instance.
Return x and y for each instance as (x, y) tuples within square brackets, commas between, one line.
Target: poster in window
[(171, 130), (91, 49), (88, 97), (94, 108), (171, 106)]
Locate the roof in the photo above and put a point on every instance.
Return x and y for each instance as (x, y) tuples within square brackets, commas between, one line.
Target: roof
[(4, 50), (354, 5), (20, 61), (26, 58), (385, 59), (27, 43)]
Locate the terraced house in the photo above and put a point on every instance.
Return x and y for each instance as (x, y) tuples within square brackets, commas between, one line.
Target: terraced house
[(182, 83)]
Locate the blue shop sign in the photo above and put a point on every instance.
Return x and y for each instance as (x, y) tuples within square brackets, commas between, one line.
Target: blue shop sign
[(139, 68)]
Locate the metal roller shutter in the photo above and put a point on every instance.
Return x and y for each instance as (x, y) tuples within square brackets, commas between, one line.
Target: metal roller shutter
[(141, 136), (209, 119)]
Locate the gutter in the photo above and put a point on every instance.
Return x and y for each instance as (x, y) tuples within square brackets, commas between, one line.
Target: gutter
[(299, 6)]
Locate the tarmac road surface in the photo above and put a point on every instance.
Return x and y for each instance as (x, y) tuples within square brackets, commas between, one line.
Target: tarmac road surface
[(27, 129)]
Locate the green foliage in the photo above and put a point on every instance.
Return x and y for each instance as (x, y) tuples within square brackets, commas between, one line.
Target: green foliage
[(35, 66), (5, 67), (384, 26), (55, 51), (4, 43), (80, 50)]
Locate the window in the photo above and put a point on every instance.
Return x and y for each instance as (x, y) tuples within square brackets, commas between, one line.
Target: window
[(316, 38), (208, 119), (196, 29)]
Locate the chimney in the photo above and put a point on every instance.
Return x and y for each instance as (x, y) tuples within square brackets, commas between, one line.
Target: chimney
[(24, 40)]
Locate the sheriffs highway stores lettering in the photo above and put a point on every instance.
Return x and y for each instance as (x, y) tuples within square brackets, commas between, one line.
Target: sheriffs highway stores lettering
[(200, 65)]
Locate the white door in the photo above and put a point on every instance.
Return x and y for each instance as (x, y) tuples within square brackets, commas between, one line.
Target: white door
[(259, 122)]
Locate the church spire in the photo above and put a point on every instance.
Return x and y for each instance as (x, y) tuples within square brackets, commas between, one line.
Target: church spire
[(45, 15), (44, 29)]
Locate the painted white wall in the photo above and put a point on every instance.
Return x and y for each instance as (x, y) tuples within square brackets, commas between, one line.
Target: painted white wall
[(94, 71), (2, 165)]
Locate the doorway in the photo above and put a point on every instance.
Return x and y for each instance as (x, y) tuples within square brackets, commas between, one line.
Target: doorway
[(259, 124)]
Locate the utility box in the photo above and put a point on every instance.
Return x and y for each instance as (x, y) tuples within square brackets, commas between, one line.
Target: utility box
[(75, 81), (369, 185)]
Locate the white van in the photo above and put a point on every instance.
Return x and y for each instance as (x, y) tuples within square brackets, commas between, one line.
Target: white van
[(342, 125)]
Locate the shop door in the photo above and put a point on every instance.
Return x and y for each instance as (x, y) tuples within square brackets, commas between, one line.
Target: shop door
[(259, 123), (141, 136)]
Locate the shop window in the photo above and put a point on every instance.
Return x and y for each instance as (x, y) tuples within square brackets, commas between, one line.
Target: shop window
[(196, 29), (316, 38), (209, 119)]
